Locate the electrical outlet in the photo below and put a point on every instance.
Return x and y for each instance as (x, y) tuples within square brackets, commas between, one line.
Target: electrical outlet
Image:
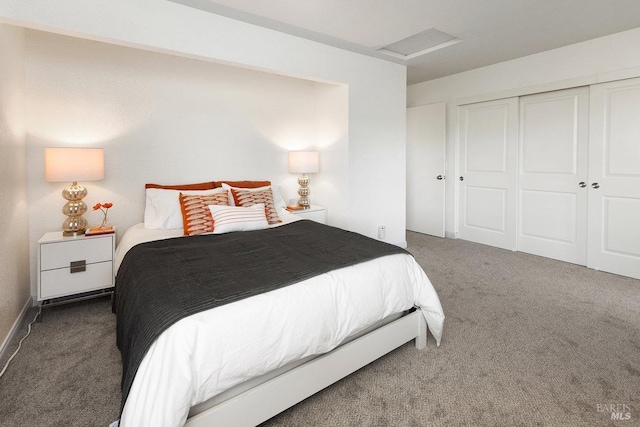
[(382, 232)]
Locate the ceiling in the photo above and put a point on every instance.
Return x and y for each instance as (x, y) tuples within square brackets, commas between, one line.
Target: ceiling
[(481, 32)]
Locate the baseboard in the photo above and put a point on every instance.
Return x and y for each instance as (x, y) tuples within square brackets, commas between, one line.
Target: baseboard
[(15, 328)]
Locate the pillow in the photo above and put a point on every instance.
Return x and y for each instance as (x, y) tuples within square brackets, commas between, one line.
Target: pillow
[(162, 207), (253, 197), (196, 216), (235, 218), (200, 186), (280, 204), (242, 184)]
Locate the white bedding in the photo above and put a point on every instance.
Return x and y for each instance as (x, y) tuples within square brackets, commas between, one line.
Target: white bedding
[(209, 352)]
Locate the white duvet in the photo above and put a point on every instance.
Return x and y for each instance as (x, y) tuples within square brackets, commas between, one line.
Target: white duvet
[(208, 353)]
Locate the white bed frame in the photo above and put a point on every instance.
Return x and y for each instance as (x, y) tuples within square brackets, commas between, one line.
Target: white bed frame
[(268, 399)]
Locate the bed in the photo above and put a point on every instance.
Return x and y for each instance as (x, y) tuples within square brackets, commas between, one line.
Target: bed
[(247, 360)]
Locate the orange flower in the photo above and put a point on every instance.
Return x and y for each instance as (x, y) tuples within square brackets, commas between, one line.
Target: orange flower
[(104, 207)]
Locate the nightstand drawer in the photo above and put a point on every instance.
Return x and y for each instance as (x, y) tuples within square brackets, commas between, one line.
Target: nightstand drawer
[(61, 282), (61, 254)]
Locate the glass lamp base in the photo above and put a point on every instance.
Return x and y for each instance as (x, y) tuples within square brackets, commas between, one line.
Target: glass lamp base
[(304, 192), (75, 224)]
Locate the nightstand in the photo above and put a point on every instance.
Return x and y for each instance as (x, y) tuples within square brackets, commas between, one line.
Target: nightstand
[(315, 213), (74, 265)]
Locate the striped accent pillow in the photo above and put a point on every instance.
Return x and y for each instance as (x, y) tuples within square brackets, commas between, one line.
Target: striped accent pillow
[(250, 198), (196, 216), (236, 218)]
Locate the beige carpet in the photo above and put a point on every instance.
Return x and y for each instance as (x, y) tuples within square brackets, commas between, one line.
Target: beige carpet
[(528, 341)]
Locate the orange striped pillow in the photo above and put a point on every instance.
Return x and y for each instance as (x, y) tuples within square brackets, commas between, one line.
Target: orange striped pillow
[(236, 218), (249, 198), (196, 216)]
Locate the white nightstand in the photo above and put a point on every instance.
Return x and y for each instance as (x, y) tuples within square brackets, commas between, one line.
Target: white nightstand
[(315, 213), (74, 265)]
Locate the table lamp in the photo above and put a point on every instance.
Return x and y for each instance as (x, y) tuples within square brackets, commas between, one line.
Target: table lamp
[(303, 162), (73, 165)]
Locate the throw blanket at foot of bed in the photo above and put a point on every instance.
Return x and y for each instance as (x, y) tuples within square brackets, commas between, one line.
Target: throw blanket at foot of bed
[(161, 282)]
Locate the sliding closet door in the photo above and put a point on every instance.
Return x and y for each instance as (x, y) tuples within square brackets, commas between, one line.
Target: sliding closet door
[(614, 178), (552, 193), (426, 138), (488, 143)]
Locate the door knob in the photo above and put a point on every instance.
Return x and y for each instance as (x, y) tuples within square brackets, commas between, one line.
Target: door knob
[(462, 178), (439, 177), (582, 184), (595, 185)]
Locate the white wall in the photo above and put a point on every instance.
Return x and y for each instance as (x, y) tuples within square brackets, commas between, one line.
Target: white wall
[(331, 138), (168, 119), (376, 88), (14, 255), (607, 58)]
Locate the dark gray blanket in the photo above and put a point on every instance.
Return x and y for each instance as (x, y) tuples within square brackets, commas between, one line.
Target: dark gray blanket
[(161, 282)]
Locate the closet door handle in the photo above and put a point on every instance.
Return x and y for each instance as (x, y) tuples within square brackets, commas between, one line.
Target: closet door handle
[(439, 177), (595, 185), (462, 178), (582, 184)]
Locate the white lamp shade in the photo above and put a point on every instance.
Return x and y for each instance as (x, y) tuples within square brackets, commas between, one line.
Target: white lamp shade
[(73, 164), (303, 162)]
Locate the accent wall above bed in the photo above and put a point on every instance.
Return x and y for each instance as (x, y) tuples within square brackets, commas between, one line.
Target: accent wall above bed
[(355, 116)]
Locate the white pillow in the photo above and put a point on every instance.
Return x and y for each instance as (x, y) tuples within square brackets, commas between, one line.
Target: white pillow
[(237, 218), (162, 207), (278, 201)]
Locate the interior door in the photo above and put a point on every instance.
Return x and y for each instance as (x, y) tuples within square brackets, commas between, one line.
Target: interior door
[(614, 178), (552, 193), (488, 145), (426, 139)]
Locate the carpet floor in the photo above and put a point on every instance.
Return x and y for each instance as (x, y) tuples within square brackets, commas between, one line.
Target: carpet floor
[(528, 341)]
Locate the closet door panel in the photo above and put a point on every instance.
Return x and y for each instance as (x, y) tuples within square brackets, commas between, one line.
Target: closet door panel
[(553, 147), (614, 175), (622, 232), (487, 181), (486, 138), (554, 224), (486, 209)]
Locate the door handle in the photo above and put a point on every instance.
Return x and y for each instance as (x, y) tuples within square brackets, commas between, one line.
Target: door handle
[(462, 178), (582, 184), (439, 177), (595, 185)]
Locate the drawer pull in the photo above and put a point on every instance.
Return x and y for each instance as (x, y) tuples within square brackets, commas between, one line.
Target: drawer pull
[(78, 266)]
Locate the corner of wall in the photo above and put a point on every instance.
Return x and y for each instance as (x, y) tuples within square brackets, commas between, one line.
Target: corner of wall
[(14, 227)]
